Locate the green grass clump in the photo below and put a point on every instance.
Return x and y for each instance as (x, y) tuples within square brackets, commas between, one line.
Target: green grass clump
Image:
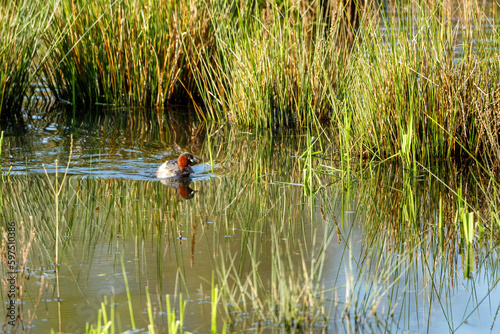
[(417, 82), (21, 26), (108, 318), (122, 53), (272, 65), (426, 82)]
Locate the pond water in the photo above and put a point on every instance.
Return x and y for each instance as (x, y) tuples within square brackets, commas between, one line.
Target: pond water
[(362, 251)]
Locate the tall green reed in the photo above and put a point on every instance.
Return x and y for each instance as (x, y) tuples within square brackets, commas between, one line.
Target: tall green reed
[(108, 320), (121, 53), (413, 250), (22, 24), (421, 73), (56, 190), (268, 65), (428, 71), (293, 297), (416, 82)]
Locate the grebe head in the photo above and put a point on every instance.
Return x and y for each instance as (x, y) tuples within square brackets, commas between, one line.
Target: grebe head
[(185, 160)]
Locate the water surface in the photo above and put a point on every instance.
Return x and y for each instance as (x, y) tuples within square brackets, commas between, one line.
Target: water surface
[(361, 253)]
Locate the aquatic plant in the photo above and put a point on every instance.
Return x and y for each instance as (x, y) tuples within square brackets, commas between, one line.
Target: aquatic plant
[(417, 82), (271, 64), (21, 51), (412, 242), (111, 323), (428, 71), (118, 53)]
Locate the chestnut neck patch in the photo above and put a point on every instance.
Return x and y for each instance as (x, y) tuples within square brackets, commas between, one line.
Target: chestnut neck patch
[(183, 161)]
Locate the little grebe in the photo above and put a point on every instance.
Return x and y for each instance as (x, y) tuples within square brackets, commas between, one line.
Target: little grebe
[(177, 168)]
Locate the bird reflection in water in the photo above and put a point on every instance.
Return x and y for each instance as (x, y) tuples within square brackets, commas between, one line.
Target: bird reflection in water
[(182, 187)]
